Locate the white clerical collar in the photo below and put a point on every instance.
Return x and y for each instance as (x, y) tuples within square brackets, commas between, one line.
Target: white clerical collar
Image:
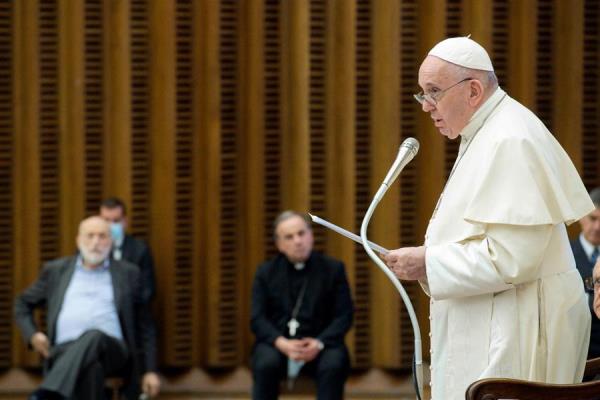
[(481, 115), (299, 266), (587, 246)]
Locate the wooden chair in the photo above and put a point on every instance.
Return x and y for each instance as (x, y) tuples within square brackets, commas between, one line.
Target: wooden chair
[(499, 388)]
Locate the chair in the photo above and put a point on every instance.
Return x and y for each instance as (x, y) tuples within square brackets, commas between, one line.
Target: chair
[(500, 388)]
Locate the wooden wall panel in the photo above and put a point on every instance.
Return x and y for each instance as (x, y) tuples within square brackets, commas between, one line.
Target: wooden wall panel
[(208, 117), (363, 349), (544, 72), (50, 239), (7, 126), (229, 330), (70, 198), (408, 183), (317, 115), (522, 49), (567, 58), (93, 104), (272, 119), (163, 195), (252, 143), (26, 163), (339, 140), (590, 113), (123, 73), (384, 139), (139, 85)]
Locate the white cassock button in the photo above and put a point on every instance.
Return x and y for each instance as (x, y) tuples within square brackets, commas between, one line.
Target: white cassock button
[(430, 317), (430, 384), (431, 368), (429, 334)]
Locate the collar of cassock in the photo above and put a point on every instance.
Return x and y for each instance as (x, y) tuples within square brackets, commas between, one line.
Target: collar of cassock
[(481, 115)]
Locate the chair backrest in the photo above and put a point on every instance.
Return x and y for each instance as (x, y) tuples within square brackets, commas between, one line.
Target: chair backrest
[(499, 388)]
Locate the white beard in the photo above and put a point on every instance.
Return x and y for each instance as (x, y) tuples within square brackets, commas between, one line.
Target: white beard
[(92, 257)]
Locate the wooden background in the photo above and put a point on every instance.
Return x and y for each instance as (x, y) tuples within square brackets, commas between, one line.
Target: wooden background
[(209, 117)]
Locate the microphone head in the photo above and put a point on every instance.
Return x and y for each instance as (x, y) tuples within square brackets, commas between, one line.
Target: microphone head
[(411, 144), (408, 149)]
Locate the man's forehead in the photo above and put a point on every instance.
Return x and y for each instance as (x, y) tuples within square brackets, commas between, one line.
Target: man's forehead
[(433, 71), (94, 224), (291, 225)]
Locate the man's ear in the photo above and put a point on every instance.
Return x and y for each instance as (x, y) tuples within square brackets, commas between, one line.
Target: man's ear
[(476, 92)]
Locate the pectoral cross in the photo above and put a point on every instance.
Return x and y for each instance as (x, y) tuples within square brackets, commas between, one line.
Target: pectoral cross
[(293, 325)]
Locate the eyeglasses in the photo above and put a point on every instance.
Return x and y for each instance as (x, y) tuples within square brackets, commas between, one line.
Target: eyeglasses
[(435, 95), (591, 284)]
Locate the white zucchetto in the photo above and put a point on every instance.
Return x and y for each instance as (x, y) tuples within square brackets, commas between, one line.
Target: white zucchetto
[(464, 52)]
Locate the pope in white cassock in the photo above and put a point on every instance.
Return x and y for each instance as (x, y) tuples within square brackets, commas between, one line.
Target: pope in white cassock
[(506, 299)]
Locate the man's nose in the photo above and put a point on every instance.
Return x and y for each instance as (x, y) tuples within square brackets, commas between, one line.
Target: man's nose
[(427, 106)]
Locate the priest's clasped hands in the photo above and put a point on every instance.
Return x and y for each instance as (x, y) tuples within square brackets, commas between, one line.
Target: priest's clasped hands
[(305, 349), (408, 263)]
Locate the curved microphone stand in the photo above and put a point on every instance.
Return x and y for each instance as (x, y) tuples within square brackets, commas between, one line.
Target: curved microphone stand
[(410, 147)]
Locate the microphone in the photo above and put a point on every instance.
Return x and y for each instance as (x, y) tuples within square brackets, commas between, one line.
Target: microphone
[(408, 149)]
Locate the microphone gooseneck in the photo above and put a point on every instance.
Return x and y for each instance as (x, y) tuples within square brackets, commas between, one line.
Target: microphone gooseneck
[(408, 149)]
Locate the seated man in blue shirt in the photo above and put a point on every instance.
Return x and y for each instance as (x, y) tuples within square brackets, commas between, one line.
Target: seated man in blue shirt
[(98, 322)]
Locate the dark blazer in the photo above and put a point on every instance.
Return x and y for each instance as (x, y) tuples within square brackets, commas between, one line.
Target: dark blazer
[(585, 267), (138, 328), (326, 311), (137, 252)]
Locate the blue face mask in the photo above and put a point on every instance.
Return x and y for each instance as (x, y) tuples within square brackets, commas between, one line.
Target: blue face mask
[(117, 232)]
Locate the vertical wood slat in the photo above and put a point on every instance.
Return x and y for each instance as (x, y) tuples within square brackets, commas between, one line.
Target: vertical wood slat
[(7, 125), (363, 349), (384, 136), (252, 97), (230, 325), (27, 195), (568, 61), (139, 86), (340, 133), (185, 265), (210, 177), (522, 60), (295, 177), (117, 154), (71, 117), (317, 109), (94, 97), (273, 119), (162, 169), (408, 181), (591, 95)]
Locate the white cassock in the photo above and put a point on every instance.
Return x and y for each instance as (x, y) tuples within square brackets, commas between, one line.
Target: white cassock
[(506, 299)]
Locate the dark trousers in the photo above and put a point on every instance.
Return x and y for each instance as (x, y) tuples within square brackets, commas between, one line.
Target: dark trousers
[(77, 369), (330, 370)]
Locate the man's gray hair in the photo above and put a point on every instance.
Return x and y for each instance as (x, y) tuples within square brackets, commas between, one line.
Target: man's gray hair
[(488, 78), (285, 215), (595, 195)]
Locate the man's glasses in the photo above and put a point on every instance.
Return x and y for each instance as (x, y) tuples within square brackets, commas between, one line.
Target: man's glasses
[(435, 95), (591, 284)]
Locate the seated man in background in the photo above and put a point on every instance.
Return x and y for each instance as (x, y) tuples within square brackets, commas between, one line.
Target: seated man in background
[(585, 249), (98, 324), (126, 247), (301, 311)]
